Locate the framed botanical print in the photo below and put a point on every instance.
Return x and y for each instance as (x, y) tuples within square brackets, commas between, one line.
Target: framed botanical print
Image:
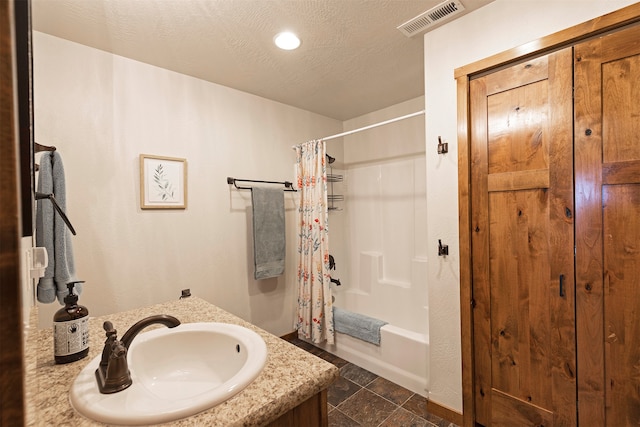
[(163, 182)]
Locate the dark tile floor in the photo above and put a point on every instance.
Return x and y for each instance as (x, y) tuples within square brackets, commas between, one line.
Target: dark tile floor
[(361, 398)]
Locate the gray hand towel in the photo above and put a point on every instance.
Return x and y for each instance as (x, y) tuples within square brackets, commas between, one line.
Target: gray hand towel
[(268, 232), (52, 233), (357, 325)]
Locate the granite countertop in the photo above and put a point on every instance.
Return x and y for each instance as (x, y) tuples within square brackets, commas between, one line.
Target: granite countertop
[(289, 377)]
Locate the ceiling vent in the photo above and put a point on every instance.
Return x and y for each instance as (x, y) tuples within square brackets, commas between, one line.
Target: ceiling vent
[(436, 15)]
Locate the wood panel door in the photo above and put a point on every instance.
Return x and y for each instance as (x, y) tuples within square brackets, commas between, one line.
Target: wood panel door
[(522, 244), (607, 162)]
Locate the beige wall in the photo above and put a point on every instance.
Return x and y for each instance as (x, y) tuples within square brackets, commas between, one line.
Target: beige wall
[(101, 111), (501, 25)]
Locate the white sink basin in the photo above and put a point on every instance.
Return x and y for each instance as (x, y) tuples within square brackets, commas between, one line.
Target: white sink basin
[(176, 373)]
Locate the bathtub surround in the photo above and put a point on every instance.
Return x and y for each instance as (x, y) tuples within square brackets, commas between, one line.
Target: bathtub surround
[(268, 232), (315, 314), (379, 238)]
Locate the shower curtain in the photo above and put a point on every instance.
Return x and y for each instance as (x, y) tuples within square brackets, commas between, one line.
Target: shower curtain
[(315, 314)]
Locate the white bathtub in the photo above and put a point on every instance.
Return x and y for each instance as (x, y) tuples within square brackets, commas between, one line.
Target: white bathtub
[(403, 354)]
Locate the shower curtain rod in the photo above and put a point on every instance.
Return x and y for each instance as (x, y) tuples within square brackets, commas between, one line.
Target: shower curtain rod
[(349, 132)]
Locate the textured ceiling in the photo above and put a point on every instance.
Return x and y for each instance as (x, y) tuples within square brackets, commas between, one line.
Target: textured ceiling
[(352, 59)]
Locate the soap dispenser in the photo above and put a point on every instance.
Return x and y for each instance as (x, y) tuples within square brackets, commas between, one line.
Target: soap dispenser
[(71, 329)]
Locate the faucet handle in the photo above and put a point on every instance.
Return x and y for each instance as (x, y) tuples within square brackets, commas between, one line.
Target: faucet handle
[(108, 327), (111, 338)]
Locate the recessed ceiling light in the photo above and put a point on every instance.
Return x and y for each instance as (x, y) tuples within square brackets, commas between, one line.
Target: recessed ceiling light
[(287, 40)]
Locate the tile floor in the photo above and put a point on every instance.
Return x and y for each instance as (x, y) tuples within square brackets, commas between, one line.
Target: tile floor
[(361, 398)]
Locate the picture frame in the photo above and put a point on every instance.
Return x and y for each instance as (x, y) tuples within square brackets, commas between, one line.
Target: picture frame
[(163, 182)]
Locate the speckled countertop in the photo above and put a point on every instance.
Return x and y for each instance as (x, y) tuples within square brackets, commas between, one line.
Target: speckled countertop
[(289, 377)]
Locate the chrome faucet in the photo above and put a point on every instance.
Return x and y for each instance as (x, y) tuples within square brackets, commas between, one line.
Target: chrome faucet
[(113, 372)]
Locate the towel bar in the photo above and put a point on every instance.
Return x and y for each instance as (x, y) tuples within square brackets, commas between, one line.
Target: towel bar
[(287, 184)]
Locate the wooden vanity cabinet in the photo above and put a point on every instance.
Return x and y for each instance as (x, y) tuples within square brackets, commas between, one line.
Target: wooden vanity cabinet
[(310, 413)]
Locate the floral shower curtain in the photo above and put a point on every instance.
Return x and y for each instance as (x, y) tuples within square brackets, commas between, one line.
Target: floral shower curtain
[(315, 313)]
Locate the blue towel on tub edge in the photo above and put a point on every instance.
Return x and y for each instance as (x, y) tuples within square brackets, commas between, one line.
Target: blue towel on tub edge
[(357, 325)]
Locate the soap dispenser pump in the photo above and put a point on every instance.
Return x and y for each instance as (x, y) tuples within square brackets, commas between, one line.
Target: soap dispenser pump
[(71, 329)]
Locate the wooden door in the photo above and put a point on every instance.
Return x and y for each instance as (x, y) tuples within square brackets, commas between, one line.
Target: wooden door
[(522, 244), (607, 162)]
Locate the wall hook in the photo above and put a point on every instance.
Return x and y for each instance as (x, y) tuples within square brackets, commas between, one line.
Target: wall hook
[(442, 249), (443, 147)]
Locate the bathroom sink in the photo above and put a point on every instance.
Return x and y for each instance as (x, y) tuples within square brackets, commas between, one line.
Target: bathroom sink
[(176, 373)]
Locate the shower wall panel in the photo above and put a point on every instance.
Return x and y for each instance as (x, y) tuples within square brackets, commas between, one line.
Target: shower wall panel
[(385, 205)]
